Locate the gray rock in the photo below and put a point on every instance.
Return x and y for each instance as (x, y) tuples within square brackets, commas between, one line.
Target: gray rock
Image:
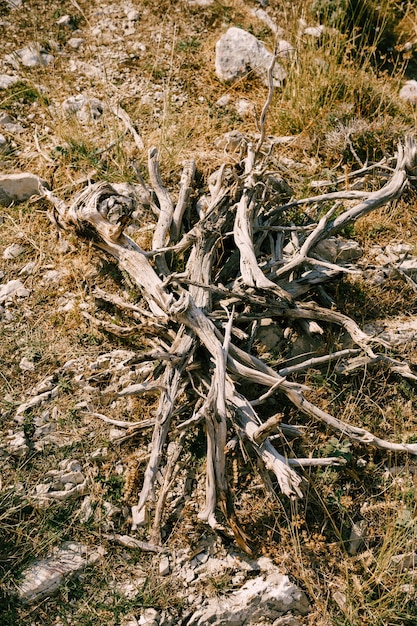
[(403, 562), (83, 107), (13, 251), (75, 42), (30, 56), (358, 535), (314, 31), (338, 250), (64, 20), (285, 49), (164, 566), (409, 266), (408, 93), (26, 365), (45, 576), (149, 617), (9, 124), (18, 187), (237, 51), (260, 598), (244, 107), (231, 141), (7, 81), (14, 288), (200, 3), (16, 444), (263, 16), (132, 15)]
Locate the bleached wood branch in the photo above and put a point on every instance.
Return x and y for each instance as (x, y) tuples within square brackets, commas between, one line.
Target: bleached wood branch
[(199, 355)]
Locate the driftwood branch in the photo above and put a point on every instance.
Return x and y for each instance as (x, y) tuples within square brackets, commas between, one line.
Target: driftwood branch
[(203, 318)]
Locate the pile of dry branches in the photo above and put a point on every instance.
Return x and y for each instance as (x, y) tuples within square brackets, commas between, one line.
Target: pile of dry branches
[(238, 271)]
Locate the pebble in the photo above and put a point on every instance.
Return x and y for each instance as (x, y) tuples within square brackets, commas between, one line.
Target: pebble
[(11, 289), (7, 80), (75, 42), (19, 187), (30, 56), (244, 107), (164, 566), (27, 365), (15, 444), (408, 93), (133, 15), (13, 251), (64, 20)]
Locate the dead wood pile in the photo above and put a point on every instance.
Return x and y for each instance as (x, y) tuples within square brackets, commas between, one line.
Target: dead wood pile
[(245, 261)]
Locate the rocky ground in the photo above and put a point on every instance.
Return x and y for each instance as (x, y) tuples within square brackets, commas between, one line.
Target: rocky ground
[(85, 89)]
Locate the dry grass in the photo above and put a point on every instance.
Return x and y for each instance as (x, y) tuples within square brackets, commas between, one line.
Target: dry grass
[(332, 90)]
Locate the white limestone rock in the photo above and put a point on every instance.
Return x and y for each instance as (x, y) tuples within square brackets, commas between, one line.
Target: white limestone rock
[(408, 93), (64, 20), (44, 576), (132, 15), (263, 16), (314, 31), (164, 566), (238, 52), (13, 251), (7, 81), (14, 288), (244, 107), (260, 598), (16, 444), (149, 617), (9, 124), (84, 107), (18, 187), (200, 3), (75, 42), (26, 365), (338, 250), (30, 56)]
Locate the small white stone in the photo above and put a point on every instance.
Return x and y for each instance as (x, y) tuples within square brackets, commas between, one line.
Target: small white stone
[(408, 92), (30, 56), (16, 444), (133, 15), (14, 288), (100, 454), (13, 251), (237, 50), (26, 365), (18, 187), (28, 269), (244, 107), (223, 100), (164, 566), (86, 510), (314, 31), (6, 81), (149, 617), (190, 576), (139, 517), (75, 42), (64, 20)]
